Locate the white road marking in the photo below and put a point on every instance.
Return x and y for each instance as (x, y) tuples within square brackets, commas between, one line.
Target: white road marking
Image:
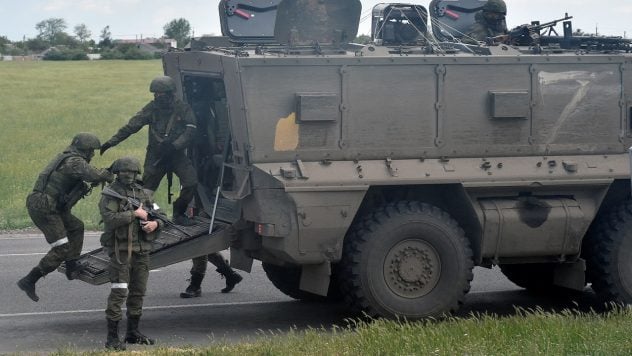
[(156, 307)]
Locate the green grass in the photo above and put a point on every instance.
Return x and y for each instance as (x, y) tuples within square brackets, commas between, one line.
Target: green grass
[(527, 333), (44, 104)]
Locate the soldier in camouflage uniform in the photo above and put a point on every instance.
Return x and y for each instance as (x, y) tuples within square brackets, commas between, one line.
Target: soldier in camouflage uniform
[(57, 190), (490, 22), (171, 131), (127, 237)]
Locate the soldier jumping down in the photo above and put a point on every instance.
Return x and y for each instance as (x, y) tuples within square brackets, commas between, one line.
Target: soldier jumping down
[(58, 188)]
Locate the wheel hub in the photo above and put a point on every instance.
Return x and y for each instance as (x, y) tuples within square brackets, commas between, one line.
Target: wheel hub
[(412, 268)]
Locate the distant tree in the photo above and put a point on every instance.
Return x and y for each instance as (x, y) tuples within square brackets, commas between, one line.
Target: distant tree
[(579, 32), (106, 38), (3, 44), (36, 44), (50, 29), (179, 30), (82, 32), (362, 39)]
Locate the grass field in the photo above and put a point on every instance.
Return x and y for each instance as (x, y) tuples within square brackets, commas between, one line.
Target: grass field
[(44, 104), (527, 333)]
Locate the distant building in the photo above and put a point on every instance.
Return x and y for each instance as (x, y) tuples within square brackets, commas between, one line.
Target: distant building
[(152, 45)]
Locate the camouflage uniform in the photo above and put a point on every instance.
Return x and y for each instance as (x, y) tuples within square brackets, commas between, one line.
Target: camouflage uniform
[(57, 190), (171, 131), (198, 271), (128, 247), (484, 26)]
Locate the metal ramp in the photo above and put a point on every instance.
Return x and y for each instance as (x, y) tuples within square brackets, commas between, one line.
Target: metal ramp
[(173, 245)]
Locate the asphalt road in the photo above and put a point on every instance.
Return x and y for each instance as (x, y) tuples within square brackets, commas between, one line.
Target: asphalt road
[(71, 313)]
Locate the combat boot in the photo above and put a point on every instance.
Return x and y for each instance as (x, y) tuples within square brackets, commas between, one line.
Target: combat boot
[(193, 290), (183, 220), (73, 269), (133, 336), (232, 277), (113, 342), (27, 284)]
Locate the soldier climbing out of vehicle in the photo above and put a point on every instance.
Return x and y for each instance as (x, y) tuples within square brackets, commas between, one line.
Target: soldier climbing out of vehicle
[(58, 188), (171, 130)]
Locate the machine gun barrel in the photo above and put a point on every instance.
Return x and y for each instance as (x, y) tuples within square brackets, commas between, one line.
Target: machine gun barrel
[(153, 213), (550, 23)]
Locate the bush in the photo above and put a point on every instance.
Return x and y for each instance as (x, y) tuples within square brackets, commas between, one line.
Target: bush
[(66, 55), (128, 51)]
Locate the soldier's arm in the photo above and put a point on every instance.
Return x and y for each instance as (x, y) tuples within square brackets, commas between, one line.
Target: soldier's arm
[(112, 217), (134, 125), (187, 137), (78, 167)]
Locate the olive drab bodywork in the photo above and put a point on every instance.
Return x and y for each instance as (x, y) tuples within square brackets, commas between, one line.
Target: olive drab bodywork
[(381, 174)]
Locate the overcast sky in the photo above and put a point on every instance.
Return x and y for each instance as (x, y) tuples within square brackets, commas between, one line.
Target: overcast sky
[(146, 18)]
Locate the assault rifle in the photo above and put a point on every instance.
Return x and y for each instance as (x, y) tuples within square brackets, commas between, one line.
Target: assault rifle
[(81, 190), (135, 203), (525, 35)]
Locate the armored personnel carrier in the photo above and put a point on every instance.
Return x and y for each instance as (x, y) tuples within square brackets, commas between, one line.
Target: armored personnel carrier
[(383, 173)]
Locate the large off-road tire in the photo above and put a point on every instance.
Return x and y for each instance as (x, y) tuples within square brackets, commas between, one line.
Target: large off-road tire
[(406, 259), (608, 253), (287, 280)]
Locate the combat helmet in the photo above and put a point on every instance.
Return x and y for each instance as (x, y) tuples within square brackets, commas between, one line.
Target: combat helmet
[(162, 84), (86, 141), (497, 6), (126, 164)]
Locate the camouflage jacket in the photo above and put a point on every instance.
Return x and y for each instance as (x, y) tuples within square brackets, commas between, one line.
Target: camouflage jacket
[(176, 125), (119, 220), (65, 173)]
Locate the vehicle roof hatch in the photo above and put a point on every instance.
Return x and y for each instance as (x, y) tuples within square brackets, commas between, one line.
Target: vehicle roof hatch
[(326, 22), (452, 18), (248, 21)]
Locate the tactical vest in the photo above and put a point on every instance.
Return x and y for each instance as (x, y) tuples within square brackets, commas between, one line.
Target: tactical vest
[(54, 183)]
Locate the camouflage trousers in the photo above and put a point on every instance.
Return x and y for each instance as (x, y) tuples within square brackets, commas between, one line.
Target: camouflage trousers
[(183, 169), (129, 282), (199, 263), (62, 230)]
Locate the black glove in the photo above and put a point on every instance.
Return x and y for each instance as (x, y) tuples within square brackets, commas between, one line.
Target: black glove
[(166, 148), (104, 147)]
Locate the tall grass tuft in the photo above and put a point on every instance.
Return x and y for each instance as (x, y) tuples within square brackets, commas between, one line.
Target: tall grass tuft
[(44, 104)]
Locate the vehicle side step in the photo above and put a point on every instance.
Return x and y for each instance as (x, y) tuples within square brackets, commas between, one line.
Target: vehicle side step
[(173, 245)]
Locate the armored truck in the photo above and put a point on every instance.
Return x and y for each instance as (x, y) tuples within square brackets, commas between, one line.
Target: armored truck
[(381, 174)]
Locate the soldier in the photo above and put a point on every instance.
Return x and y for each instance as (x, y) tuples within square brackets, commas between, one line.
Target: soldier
[(490, 22), (198, 271), (58, 188), (127, 234), (171, 131)]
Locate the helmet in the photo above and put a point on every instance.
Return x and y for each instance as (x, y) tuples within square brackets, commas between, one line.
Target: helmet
[(162, 84), (127, 164), (85, 141), (497, 6)]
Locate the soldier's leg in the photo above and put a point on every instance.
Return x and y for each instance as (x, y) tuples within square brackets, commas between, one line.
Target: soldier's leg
[(232, 277), (75, 232), (197, 275), (185, 172), (119, 279), (53, 228), (152, 175), (139, 273)]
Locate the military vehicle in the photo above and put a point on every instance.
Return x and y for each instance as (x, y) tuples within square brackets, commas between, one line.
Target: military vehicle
[(381, 174)]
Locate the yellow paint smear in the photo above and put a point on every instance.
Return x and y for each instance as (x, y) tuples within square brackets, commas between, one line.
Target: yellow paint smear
[(286, 134)]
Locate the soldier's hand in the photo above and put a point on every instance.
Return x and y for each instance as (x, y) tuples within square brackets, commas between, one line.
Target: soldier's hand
[(149, 226), (140, 213), (104, 147)]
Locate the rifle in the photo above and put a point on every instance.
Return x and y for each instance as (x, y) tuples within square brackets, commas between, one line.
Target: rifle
[(529, 34), (67, 201), (152, 213)]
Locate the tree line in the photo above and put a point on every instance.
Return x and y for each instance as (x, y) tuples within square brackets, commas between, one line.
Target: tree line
[(53, 33)]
